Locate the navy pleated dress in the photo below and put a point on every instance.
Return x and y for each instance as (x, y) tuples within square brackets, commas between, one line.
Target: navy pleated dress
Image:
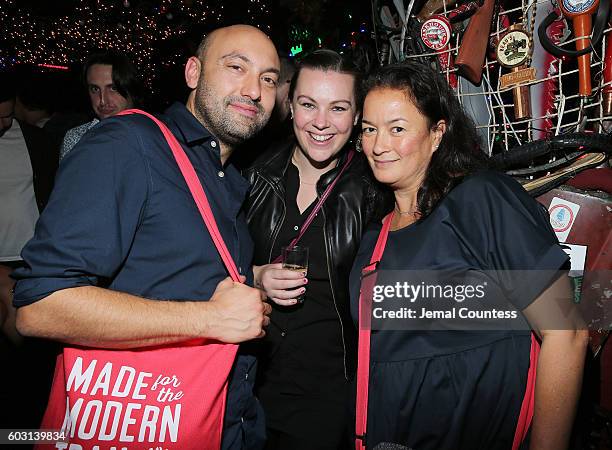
[(436, 390)]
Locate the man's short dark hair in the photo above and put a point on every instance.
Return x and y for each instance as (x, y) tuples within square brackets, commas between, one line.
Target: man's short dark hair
[(125, 74), (203, 46)]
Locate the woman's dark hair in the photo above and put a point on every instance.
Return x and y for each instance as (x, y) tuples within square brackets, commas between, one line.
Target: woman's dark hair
[(329, 61), (459, 152), (125, 74)]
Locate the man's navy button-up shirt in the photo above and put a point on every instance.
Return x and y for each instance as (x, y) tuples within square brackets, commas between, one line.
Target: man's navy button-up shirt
[(121, 216)]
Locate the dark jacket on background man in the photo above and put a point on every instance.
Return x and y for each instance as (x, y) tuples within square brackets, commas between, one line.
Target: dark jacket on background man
[(356, 200), (44, 157)]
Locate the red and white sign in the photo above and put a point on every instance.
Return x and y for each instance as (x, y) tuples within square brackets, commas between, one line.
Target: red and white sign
[(436, 32), (562, 217)]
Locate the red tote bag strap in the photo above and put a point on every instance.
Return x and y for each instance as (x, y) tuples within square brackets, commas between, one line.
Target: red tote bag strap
[(365, 328), (318, 206), (526, 414), (195, 187)]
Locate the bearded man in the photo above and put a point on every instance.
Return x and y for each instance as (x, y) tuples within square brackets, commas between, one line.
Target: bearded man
[(121, 217)]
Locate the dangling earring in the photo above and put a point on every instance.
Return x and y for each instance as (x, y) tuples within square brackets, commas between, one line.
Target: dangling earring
[(358, 146), (291, 113)]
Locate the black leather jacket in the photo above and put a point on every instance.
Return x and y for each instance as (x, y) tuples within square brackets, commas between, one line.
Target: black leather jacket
[(356, 200)]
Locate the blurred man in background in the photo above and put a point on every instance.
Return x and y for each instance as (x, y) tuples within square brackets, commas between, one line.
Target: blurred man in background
[(47, 100), (113, 85), (28, 161)]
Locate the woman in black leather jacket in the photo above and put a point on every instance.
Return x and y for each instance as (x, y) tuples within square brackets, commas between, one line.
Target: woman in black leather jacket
[(308, 355)]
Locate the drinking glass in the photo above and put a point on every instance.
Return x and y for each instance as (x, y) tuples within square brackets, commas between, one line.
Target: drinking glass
[(296, 258)]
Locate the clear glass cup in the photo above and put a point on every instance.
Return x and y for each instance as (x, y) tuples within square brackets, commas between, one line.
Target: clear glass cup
[(296, 258)]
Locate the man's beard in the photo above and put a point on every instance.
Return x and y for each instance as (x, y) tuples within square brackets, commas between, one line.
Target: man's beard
[(225, 126)]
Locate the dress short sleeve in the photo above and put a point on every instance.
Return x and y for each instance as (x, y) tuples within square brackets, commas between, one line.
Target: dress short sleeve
[(509, 232)]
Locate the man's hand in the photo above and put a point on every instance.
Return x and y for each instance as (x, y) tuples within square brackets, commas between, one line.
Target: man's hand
[(237, 313), (101, 318), (282, 286)]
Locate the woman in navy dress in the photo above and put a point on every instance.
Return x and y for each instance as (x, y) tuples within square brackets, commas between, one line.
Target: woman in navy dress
[(463, 389)]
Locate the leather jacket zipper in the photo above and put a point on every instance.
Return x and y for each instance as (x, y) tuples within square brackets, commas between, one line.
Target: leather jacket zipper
[(280, 223), (331, 285)]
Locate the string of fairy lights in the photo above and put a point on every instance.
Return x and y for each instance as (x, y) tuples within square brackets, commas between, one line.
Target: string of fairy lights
[(133, 27)]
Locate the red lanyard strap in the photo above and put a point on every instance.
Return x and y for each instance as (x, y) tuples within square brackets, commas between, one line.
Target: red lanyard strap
[(365, 328), (318, 206), (195, 187)]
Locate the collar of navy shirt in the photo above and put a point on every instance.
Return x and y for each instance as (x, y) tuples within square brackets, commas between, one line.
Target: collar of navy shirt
[(191, 132)]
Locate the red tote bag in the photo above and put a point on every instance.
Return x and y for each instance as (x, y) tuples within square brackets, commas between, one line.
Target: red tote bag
[(167, 397)]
